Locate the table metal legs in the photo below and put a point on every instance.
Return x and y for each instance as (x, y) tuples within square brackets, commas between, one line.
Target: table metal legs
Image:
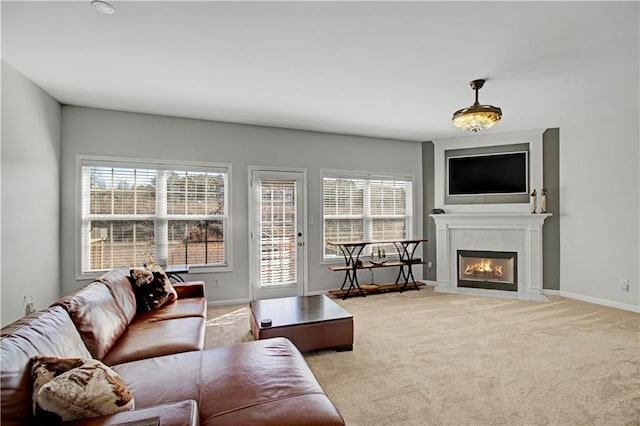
[(351, 275), (406, 251)]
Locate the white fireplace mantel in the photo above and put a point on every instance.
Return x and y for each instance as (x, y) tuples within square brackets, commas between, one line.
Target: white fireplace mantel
[(500, 231)]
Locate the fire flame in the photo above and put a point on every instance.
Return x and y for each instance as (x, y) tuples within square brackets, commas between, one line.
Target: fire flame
[(484, 267)]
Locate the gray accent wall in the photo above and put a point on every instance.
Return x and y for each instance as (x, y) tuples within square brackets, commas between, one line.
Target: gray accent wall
[(428, 197), (30, 195), (551, 228)]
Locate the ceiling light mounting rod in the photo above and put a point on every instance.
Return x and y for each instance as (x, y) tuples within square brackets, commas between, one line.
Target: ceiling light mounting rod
[(477, 85)]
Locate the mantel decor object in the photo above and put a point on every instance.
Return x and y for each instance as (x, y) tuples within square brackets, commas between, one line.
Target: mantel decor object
[(534, 201)]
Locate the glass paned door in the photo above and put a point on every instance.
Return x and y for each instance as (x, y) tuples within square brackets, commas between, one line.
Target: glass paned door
[(277, 233)]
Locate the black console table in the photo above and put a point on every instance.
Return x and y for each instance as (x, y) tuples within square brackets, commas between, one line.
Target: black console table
[(352, 251)]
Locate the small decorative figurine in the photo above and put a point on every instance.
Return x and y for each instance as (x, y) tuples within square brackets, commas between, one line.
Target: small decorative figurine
[(543, 202), (534, 201)]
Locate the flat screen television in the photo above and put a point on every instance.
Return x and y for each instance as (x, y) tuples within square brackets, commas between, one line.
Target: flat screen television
[(488, 174)]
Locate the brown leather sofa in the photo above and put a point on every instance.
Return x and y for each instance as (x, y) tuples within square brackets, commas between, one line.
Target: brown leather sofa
[(160, 356)]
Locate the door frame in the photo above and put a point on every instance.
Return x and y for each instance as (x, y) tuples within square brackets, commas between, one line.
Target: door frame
[(253, 261)]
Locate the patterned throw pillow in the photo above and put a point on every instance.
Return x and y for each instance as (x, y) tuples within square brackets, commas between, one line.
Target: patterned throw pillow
[(160, 275), (88, 390), (152, 288), (46, 368)]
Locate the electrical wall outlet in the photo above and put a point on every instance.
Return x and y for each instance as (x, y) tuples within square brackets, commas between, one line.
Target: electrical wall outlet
[(429, 265), (216, 283), (624, 286), (29, 305)]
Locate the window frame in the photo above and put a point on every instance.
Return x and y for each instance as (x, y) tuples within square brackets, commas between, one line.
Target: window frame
[(369, 176), (157, 164)]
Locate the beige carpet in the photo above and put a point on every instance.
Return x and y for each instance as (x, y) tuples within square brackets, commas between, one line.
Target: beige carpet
[(440, 359)]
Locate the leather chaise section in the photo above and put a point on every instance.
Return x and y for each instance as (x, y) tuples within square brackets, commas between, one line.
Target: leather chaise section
[(264, 382)]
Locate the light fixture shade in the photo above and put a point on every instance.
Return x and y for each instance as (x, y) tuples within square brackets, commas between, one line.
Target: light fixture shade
[(476, 117)]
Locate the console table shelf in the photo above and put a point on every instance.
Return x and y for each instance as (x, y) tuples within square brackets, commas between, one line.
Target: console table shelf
[(376, 289)]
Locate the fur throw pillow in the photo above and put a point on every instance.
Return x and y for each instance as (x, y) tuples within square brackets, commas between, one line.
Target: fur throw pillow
[(152, 288), (89, 389), (46, 368)]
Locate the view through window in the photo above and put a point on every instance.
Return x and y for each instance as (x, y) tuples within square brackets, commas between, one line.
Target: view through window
[(365, 208), (176, 214)]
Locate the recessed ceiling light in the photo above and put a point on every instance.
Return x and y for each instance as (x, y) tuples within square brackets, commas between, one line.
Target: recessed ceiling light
[(103, 7)]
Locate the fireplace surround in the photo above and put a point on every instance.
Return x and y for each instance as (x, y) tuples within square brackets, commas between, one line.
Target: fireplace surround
[(518, 233)]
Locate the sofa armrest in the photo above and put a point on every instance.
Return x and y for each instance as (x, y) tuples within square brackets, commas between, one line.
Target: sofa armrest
[(189, 289), (183, 413)]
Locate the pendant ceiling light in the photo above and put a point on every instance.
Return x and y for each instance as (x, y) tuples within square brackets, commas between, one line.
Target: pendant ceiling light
[(477, 117)]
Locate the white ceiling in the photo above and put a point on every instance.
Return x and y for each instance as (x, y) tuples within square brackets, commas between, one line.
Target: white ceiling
[(382, 69)]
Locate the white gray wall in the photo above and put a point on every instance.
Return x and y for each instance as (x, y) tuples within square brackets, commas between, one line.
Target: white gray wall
[(600, 199), (30, 195), (102, 132)]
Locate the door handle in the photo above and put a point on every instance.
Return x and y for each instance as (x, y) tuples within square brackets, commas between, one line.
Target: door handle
[(300, 243)]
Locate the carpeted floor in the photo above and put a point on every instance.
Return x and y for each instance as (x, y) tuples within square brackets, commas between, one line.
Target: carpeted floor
[(440, 359)]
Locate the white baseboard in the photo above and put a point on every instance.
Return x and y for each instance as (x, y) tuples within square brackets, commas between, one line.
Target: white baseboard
[(316, 293), (597, 301), (227, 302)]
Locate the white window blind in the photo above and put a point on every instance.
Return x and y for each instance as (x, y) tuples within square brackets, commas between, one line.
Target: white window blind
[(176, 213), (357, 208), (278, 229)]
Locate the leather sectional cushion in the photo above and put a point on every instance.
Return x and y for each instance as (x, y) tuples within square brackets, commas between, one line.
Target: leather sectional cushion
[(189, 289), (147, 339), (183, 413), (118, 282), (181, 308), (148, 379), (49, 333), (267, 381), (97, 316)]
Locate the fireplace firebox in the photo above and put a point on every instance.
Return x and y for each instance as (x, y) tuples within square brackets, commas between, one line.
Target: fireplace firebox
[(496, 270)]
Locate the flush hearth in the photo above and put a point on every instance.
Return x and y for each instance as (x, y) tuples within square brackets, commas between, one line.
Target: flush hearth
[(495, 270)]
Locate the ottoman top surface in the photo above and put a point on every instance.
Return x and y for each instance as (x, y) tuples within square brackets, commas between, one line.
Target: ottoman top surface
[(288, 311)]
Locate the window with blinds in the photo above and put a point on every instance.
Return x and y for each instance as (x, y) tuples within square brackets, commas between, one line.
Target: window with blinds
[(175, 213), (357, 208)]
